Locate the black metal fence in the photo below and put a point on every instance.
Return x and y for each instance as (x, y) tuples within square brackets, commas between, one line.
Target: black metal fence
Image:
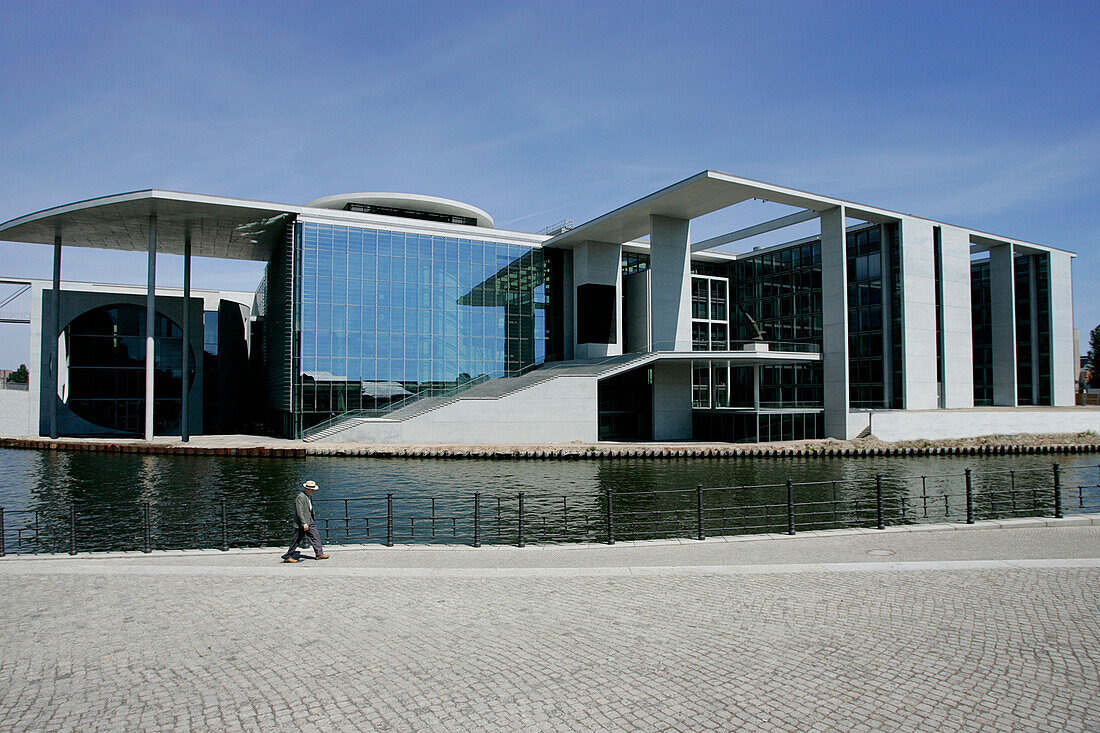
[(521, 518)]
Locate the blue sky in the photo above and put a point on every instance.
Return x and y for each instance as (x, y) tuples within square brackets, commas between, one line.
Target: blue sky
[(982, 114)]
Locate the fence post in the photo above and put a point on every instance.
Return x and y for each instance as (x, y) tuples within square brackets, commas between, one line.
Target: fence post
[(347, 521), (878, 500), (477, 519), (225, 529), (699, 510), (3, 548), (790, 507), (1057, 491), (389, 520), (610, 518), (72, 529), (520, 537), (969, 499), (148, 530)]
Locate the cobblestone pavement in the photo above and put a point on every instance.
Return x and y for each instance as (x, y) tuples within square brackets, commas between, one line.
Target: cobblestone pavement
[(223, 646)]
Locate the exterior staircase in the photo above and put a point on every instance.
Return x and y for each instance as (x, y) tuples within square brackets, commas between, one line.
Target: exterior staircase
[(492, 389)]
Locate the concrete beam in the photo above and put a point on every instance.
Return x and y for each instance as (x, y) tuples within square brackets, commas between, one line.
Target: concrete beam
[(768, 226)]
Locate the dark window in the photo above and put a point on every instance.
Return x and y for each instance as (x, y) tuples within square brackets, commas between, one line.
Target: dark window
[(595, 314)]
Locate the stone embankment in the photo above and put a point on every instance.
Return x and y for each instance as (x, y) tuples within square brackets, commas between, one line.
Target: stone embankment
[(261, 447)]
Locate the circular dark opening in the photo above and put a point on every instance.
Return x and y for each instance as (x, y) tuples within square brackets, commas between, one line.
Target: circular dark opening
[(105, 350)]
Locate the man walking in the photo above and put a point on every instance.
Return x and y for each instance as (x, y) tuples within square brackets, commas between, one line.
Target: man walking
[(304, 524)]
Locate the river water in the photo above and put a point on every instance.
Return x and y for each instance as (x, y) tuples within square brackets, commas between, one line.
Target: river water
[(99, 501)]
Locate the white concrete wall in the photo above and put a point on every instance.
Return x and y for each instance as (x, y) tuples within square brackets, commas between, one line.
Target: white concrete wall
[(15, 413), (561, 410), (958, 322), (1062, 349), (896, 425), (599, 263), (918, 334), (834, 321), (1002, 288), (672, 400), (670, 265)]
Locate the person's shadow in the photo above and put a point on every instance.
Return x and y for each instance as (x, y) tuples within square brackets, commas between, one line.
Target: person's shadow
[(297, 555)]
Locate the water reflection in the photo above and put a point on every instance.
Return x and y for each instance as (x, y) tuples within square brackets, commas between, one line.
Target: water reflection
[(193, 501)]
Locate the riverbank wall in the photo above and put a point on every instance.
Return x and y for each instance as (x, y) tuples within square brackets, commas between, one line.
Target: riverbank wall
[(260, 447)]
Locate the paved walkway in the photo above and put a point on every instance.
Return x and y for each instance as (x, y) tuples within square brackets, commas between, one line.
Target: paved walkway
[(920, 630)]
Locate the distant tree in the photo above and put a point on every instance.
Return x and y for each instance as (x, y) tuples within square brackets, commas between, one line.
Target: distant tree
[(1094, 357), (21, 376)]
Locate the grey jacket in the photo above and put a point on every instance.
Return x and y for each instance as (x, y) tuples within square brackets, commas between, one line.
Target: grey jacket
[(303, 509)]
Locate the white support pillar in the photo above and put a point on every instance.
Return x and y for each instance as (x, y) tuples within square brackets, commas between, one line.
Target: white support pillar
[(755, 386), (918, 330), (672, 400), (55, 334), (958, 322), (670, 293), (834, 322), (1063, 367), (150, 324), (597, 264), (1002, 290), (185, 433)]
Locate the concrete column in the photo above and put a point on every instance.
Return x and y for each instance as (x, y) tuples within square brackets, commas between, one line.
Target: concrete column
[(918, 326), (672, 400), (834, 322), (55, 333), (756, 387), (1063, 367), (670, 300), (598, 263), (150, 324), (958, 323), (185, 434), (1002, 287), (569, 306)]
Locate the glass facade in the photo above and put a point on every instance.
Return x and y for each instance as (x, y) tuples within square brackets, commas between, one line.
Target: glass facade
[(779, 290), (982, 332), (1032, 305), (382, 315), (866, 342)]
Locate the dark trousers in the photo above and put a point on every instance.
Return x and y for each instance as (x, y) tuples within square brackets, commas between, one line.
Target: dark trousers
[(300, 536)]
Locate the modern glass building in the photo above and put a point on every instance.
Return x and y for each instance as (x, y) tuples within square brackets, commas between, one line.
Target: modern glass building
[(380, 317), (405, 318)]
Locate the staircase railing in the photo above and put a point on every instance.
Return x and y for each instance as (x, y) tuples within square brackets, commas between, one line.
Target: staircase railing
[(315, 430)]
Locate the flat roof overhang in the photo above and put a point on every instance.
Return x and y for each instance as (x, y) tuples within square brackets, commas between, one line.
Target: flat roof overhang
[(218, 227), (743, 357), (740, 357), (710, 191)]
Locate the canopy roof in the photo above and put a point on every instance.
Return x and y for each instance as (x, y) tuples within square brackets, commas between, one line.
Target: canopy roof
[(710, 191), (218, 227)]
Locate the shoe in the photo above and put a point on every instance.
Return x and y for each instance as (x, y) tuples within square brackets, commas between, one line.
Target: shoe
[(321, 557), (289, 559)]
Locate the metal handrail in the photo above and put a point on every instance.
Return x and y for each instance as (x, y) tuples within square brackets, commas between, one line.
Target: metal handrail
[(518, 517), (413, 398)]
